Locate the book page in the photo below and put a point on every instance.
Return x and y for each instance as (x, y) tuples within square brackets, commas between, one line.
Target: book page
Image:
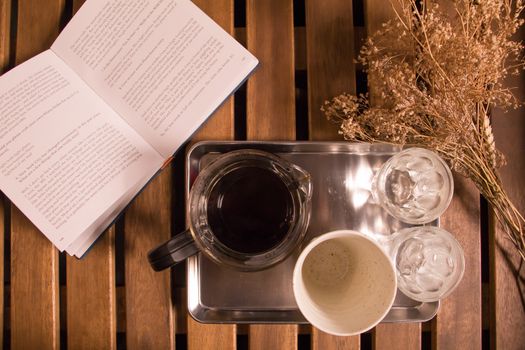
[(163, 65), (65, 156), (91, 234)]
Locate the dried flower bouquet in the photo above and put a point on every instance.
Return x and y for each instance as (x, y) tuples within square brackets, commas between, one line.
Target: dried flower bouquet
[(436, 73)]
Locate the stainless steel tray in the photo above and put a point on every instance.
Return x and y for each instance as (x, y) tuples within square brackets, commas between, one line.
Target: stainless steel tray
[(341, 174)]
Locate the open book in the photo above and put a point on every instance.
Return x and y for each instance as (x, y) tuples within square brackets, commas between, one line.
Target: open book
[(85, 125)]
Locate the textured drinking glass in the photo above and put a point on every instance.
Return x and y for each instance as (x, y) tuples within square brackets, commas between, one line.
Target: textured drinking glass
[(415, 186), (429, 262)]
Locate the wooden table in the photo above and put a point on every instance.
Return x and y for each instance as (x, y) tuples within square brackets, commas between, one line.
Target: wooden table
[(112, 298)]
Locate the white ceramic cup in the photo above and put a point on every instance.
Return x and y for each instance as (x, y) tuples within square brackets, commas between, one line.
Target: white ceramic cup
[(344, 283)]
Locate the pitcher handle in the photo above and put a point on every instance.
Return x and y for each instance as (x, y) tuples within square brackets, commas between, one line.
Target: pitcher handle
[(174, 251)]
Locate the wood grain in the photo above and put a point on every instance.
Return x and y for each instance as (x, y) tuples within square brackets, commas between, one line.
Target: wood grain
[(299, 44), (270, 105), (330, 60), (34, 287), (324, 341), (5, 22), (34, 260), (91, 297), (38, 26), (458, 322), (397, 336), (377, 12), (459, 319), (208, 336), (220, 126), (149, 312), (272, 336), (271, 111), (407, 336), (507, 275), (77, 4), (331, 71), (5, 34)]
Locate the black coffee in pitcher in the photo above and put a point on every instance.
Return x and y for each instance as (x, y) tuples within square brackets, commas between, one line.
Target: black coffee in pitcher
[(250, 210), (247, 210)]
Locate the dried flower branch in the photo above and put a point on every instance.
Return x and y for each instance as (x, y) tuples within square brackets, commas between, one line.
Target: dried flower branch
[(436, 75)]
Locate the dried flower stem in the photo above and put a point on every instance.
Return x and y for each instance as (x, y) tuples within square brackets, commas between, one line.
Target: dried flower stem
[(437, 74)]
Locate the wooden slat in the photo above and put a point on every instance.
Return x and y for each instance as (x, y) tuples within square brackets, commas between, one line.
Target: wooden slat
[(34, 287), (207, 336), (507, 281), (271, 90), (149, 313), (407, 336), (459, 320), (271, 111), (458, 323), (91, 297), (300, 43), (77, 4), (220, 126), (5, 24), (91, 300), (272, 336), (322, 341), (34, 260), (394, 336), (330, 60), (331, 71), (38, 26), (377, 12)]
